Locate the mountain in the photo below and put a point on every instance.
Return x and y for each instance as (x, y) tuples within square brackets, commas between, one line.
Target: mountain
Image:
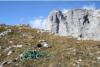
[(79, 23)]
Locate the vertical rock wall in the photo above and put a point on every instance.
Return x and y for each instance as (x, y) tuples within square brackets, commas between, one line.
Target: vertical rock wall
[(79, 23)]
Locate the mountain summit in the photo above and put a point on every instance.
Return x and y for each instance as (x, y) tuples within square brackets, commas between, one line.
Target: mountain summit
[(80, 23)]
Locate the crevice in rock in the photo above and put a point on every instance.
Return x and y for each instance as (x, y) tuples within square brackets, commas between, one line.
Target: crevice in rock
[(57, 22), (80, 35), (86, 20)]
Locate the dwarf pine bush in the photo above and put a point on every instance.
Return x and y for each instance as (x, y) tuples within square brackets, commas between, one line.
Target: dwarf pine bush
[(33, 54)]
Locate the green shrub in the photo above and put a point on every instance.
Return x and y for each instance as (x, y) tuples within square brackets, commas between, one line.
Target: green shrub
[(33, 54)]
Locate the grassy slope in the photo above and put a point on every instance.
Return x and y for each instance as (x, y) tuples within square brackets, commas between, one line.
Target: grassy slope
[(64, 51)]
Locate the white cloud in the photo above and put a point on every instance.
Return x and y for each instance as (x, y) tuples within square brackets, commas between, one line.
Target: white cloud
[(38, 22), (64, 10), (90, 6)]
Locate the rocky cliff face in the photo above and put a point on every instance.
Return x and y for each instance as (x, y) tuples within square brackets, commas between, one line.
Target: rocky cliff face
[(81, 23)]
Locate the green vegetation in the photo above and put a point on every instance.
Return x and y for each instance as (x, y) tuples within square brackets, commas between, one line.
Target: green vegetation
[(2, 28), (32, 54)]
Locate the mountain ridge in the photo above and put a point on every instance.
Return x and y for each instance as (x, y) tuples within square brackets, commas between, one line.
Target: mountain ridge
[(79, 23)]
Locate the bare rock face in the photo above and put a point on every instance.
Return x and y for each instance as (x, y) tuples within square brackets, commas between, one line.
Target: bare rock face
[(80, 23)]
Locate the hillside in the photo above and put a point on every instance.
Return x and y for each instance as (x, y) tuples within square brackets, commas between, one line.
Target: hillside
[(62, 51)]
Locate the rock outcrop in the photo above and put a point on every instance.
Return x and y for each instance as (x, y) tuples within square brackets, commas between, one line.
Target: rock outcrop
[(80, 23)]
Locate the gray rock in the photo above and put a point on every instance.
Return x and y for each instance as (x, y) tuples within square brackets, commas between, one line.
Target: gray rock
[(43, 43), (80, 23)]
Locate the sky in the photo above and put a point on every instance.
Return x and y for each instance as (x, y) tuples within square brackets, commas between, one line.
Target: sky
[(36, 12)]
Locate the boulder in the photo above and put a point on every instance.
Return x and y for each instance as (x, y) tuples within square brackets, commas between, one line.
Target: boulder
[(42, 43)]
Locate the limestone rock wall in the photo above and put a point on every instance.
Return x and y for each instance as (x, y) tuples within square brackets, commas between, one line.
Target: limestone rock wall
[(81, 23)]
